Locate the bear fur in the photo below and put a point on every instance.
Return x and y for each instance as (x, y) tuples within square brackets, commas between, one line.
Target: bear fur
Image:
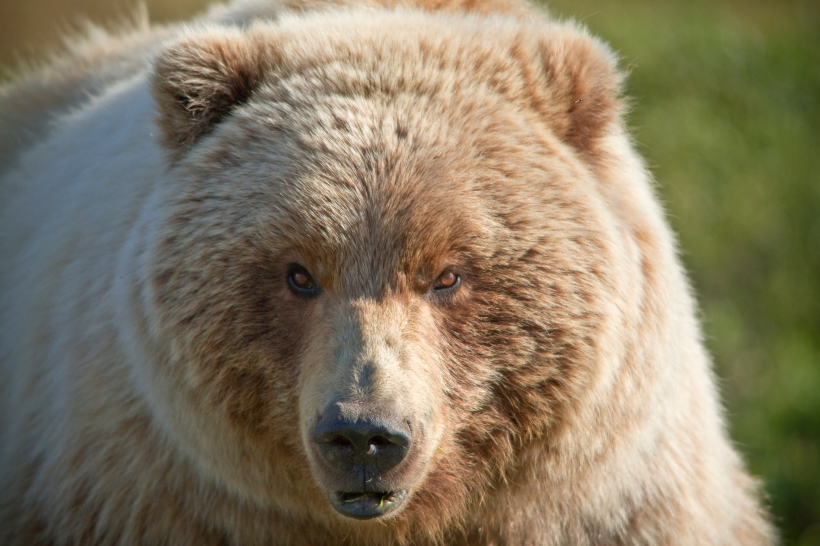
[(162, 378)]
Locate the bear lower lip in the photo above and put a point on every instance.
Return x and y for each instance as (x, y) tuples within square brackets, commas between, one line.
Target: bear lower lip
[(366, 504)]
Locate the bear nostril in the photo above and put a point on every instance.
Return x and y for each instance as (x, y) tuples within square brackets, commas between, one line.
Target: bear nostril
[(340, 441), (379, 441)]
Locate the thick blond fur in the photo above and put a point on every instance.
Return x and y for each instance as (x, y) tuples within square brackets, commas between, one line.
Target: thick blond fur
[(160, 379)]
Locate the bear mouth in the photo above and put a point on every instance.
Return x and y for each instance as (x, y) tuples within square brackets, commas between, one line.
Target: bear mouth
[(366, 504)]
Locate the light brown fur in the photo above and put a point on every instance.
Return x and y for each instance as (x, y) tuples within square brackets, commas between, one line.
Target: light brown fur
[(165, 380)]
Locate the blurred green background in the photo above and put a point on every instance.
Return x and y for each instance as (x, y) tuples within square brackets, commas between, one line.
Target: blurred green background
[(727, 113)]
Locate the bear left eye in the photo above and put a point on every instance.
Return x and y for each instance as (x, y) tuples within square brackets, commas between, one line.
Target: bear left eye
[(301, 283), (449, 280)]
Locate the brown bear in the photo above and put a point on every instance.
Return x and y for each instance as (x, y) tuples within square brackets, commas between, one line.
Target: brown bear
[(365, 273)]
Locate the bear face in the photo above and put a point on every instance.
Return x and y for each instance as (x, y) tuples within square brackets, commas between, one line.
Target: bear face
[(399, 290)]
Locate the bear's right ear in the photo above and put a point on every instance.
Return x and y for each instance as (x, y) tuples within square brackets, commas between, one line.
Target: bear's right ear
[(200, 79)]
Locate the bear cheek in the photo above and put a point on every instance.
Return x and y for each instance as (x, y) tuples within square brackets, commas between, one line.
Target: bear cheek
[(238, 343)]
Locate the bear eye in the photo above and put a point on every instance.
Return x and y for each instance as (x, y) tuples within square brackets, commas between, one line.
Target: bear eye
[(449, 280), (300, 282)]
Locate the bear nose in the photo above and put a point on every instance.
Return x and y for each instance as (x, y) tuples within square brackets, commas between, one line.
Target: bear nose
[(345, 443)]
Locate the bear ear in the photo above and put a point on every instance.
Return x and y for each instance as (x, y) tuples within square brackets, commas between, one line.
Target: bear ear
[(578, 87), (200, 79)]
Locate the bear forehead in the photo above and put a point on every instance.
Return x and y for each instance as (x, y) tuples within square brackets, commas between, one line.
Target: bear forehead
[(364, 147), (346, 197), (351, 182)]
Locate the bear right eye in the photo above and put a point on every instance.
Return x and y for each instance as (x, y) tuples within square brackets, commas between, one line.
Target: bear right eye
[(448, 281), (301, 283)]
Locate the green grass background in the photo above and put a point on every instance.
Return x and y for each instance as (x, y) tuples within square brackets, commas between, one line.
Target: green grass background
[(727, 113)]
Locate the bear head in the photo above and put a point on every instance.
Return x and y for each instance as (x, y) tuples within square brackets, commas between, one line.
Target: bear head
[(380, 267)]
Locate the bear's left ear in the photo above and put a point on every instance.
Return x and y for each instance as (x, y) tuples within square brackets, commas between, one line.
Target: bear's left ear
[(574, 83), (200, 79)]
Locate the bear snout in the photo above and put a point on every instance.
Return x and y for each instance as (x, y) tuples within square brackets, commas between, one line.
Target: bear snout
[(376, 445), (366, 457)]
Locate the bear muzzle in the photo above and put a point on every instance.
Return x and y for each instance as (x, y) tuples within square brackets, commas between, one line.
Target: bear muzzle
[(364, 456)]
